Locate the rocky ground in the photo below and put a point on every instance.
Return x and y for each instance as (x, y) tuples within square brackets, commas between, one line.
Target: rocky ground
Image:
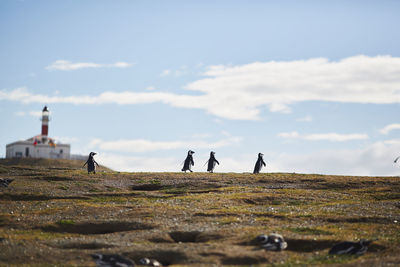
[(55, 214)]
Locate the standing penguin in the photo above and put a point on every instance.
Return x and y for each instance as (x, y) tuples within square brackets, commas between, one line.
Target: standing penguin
[(187, 165), (259, 163), (91, 167), (211, 162)]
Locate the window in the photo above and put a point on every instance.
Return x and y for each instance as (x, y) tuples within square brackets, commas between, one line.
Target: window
[(18, 154), (26, 151)]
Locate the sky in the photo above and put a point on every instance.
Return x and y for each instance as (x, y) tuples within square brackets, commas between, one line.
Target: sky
[(314, 85)]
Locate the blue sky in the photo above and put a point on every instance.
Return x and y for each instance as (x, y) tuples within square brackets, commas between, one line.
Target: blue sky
[(314, 85)]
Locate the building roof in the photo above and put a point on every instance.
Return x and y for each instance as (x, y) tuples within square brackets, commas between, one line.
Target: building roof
[(39, 140)]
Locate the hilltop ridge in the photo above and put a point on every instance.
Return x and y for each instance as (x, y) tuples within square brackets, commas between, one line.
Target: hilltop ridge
[(47, 163)]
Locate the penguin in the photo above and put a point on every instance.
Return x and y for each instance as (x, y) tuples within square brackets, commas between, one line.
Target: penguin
[(211, 162), (112, 260), (187, 165), (149, 262), (5, 182), (395, 161), (351, 248), (91, 163), (259, 163), (272, 242)]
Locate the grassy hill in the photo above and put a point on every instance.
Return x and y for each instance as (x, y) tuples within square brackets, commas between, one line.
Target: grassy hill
[(47, 163), (58, 214)]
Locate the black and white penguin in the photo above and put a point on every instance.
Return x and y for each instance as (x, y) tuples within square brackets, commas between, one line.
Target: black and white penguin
[(91, 163), (272, 242), (352, 248), (149, 262), (395, 161), (187, 165), (211, 162), (260, 162), (5, 182), (112, 260)]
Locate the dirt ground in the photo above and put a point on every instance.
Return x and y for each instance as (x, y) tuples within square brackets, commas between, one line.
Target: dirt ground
[(55, 214)]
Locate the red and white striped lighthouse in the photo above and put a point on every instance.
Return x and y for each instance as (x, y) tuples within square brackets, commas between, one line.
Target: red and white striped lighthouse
[(45, 121)]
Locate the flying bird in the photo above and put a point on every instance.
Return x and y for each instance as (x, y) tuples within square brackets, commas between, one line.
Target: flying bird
[(272, 242), (91, 163), (352, 248), (112, 260), (5, 182)]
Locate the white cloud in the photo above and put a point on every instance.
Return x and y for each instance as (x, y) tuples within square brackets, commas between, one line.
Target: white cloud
[(68, 65), (30, 113), (374, 159), (120, 65), (247, 88), (307, 118), (293, 134), (183, 70), (143, 145), (35, 113), (389, 128), (138, 164), (241, 92), (334, 137), (165, 73)]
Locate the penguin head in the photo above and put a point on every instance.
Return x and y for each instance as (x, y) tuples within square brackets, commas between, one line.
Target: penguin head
[(262, 239), (92, 154), (144, 261), (260, 155), (364, 242), (275, 238), (190, 152), (212, 153)]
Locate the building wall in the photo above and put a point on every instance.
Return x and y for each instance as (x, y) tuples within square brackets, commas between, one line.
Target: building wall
[(28, 150)]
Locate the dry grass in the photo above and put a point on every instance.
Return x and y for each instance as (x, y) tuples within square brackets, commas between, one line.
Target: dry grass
[(55, 213)]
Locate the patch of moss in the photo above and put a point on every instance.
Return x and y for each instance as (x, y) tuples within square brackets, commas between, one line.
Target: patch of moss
[(3, 169), (65, 222)]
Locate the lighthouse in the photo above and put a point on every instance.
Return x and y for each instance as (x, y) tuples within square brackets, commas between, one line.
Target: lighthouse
[(39, 146), (45, 122)]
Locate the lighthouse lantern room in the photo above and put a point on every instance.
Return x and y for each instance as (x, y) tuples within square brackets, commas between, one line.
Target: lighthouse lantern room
[(39, 146)]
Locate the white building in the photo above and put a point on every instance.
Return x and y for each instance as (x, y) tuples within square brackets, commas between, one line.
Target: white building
[(40, 146)]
